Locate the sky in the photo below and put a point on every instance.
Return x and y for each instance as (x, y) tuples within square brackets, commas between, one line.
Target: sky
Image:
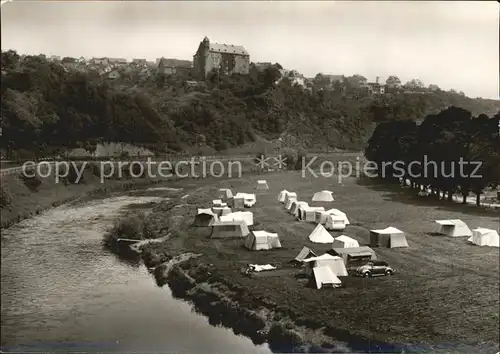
[(451, 44)]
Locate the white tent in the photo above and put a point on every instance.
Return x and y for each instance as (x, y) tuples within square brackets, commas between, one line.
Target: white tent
[(218, 203), (321, 217), (245, 216), (454, 228), (262, 240), (223, 210), (229, 229), (335, 263), (262, 184), (249, 199), (282, 196), (320, 235), (295, 207), (389, 237), (290, 196), (337, 212), (344, 241), (308, 213), (324, 277), (484, 237), (205, 217), (289, 204), (323, 196), (225, 193), (334, 222)]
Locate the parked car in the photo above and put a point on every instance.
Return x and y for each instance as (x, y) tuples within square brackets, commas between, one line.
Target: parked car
[(374, 268)]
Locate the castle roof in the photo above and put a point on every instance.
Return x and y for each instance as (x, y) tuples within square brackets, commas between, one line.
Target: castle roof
[(227, 48)]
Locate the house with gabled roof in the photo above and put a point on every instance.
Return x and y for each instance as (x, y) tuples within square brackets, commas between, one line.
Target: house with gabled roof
[(173, 66), (227, 59)]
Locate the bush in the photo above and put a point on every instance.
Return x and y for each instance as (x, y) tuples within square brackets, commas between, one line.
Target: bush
[(31, 182), (73, 175), (5, 196), (293, 158)]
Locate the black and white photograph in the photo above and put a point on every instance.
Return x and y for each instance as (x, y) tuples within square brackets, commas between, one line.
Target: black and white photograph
[(250, 177)]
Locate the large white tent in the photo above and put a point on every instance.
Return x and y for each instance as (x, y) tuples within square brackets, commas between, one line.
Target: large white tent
[(484, 237), (262, 240), (229, 229), (245, 216), (320, 235), (324, 277), (323, 196), (344, 241), (389, 237), (454, 228), (335, 263)]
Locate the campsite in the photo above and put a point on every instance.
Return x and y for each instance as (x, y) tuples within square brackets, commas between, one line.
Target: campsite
[(445, 289)]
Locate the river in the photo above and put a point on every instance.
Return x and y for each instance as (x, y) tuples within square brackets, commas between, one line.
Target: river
[(62, 291)]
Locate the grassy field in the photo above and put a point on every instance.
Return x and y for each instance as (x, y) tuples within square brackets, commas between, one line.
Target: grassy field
[(445, 293)]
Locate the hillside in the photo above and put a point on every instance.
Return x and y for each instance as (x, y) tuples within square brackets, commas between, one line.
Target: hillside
[(46, 107)]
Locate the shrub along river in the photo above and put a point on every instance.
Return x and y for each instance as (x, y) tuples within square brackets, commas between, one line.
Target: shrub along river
[(62, 291)]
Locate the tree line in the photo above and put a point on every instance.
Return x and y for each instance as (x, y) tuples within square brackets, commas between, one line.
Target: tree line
[(449, 152)]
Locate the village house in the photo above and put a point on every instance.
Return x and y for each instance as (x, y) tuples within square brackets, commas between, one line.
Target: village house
[(173, 66), (117, 62), (113, 75), (376, 88), (227, 59)]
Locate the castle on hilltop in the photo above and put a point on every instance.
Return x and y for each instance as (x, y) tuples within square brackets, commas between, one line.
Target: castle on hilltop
[(228, 59)]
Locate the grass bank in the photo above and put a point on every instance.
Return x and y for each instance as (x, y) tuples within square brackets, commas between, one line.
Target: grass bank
[(443, 287)]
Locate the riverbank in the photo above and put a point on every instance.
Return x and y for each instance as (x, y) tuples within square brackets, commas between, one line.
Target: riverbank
[(27, 201), (385, 314)]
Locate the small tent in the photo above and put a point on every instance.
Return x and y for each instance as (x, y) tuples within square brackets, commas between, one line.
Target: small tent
[(389, 237), (218, 203), (324, 277), (304, 253), (237, 202), (262, 240), (295, 207), (484, 237), (321, 217), (309, 213), (454, 228), (205, 217), (290, 196), (221, 210), (335, 222), (344, 241), (262, 184), (335, 263), (245, 216), (282, 196), (355, 254), (289, 204), (323, 196), (337, 212), (229, 229), (225, 193), (320, 235), (249, 199)]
